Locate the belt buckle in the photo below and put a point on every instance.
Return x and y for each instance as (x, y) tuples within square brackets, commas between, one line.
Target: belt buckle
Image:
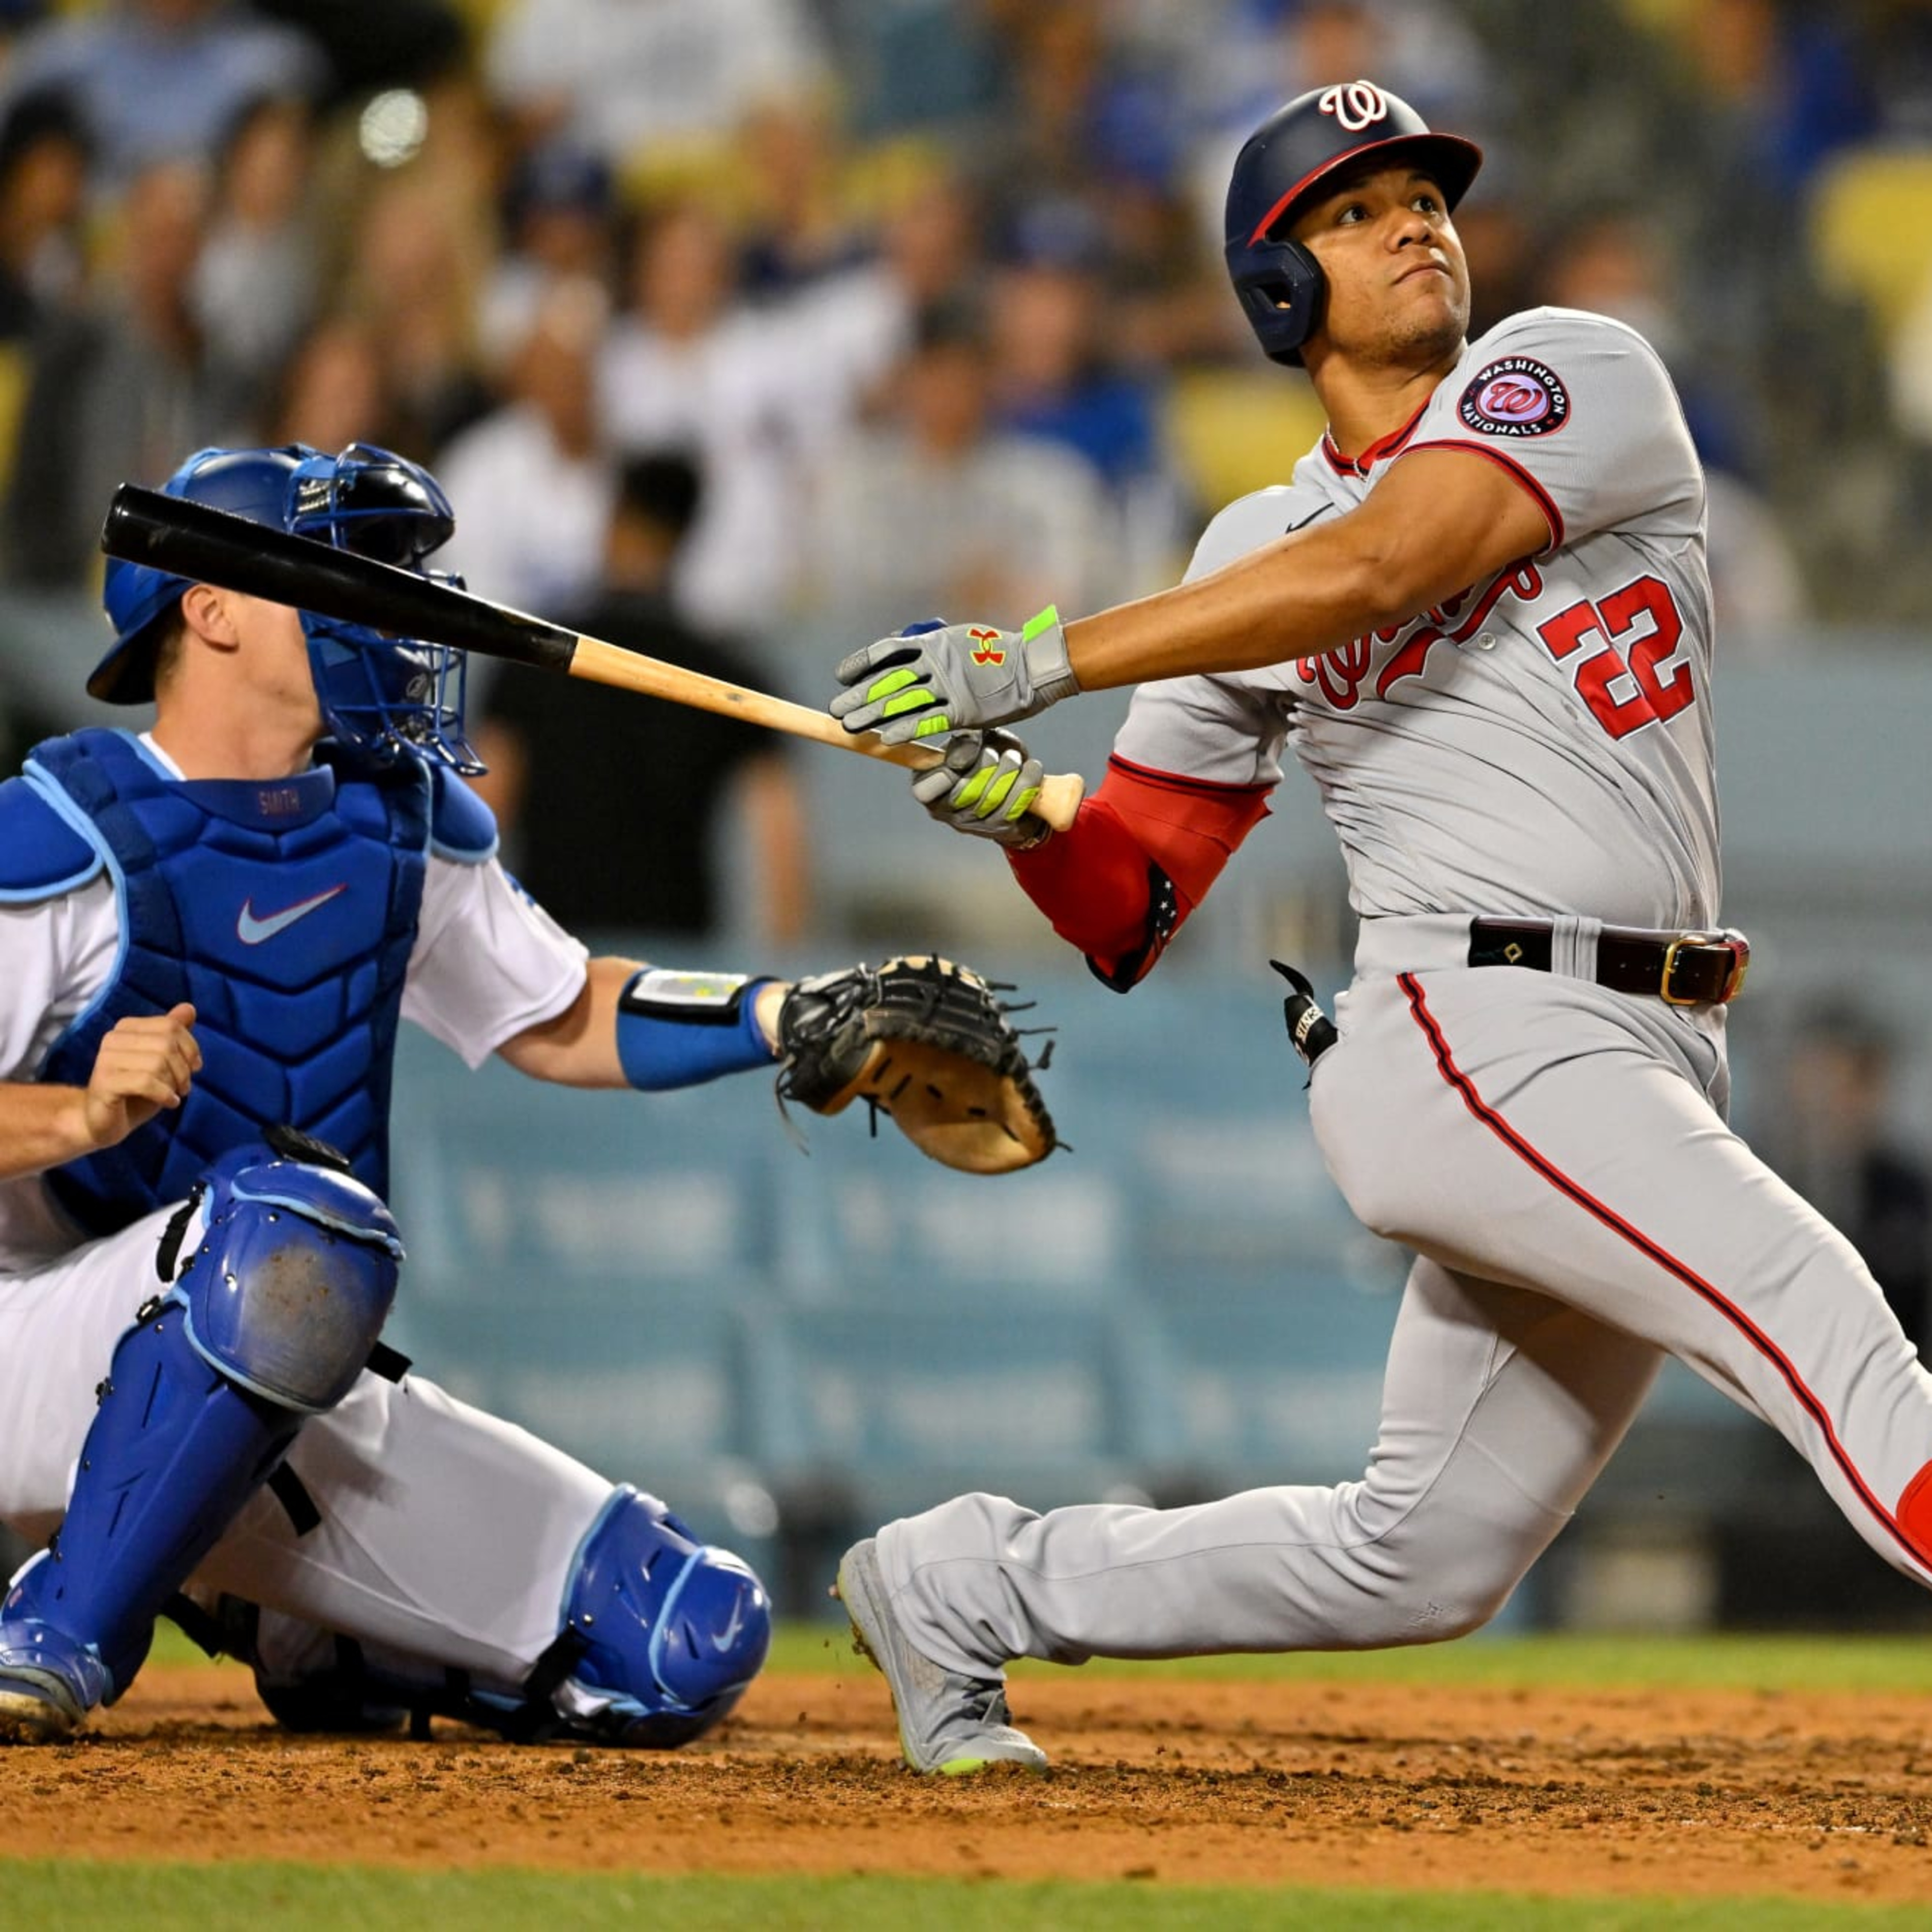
[(1735, 943)]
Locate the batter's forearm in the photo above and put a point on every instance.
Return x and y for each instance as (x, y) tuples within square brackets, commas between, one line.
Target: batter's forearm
[(1439, 521)]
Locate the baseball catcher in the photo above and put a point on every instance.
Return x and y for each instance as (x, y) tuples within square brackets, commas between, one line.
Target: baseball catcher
[(215, 929)]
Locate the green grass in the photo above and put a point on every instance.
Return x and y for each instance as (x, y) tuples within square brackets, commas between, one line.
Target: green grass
[(1894, 1665), (319, 1898)]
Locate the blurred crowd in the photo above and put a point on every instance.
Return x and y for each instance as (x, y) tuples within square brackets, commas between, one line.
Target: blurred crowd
[(928, 293)]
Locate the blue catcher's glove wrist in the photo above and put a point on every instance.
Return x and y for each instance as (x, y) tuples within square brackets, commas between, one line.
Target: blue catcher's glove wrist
[(961, 677)]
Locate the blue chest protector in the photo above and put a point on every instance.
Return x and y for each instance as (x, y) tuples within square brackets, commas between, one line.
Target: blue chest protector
[(285, 912)]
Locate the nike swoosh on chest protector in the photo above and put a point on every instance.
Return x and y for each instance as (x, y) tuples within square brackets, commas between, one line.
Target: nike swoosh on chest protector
[(253, 931)]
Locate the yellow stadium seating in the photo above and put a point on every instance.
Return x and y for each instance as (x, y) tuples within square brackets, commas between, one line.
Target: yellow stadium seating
[(1871, 214), (1234, 430)]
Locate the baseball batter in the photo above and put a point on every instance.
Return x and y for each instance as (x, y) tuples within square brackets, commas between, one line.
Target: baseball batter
[(1480, 615), (209, 933)]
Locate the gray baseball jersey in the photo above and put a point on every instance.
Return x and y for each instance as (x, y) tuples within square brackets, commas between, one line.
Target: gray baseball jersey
[(1555, 1153), (1574, 687)]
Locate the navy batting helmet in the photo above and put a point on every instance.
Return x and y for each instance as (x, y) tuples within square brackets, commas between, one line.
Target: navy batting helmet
[(1284, 163)]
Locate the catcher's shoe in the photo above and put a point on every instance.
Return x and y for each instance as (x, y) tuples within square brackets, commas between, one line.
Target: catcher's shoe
[(948, 1724), (48, 1682)]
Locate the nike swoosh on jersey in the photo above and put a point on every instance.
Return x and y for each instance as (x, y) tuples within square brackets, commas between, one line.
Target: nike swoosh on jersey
[(252, 931)]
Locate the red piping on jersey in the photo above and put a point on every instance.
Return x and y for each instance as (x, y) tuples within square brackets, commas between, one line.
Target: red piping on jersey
[(1382, 446), (1504, 461), (1446, 1064)]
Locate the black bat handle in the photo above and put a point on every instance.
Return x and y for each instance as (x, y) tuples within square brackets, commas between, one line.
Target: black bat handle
[(212, 546)]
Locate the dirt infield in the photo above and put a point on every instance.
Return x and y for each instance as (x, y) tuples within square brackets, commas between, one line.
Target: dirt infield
[(1551, 1791)]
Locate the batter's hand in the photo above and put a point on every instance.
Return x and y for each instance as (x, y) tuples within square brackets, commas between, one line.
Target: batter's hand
[(927, 680), (985, 788), (145, 1063)]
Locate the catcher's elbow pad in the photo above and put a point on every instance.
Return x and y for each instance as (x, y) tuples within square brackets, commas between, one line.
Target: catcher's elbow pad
[(681, 1029)]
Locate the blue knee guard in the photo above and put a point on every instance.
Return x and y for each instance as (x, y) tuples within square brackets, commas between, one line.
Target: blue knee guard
[(269, 1321), (671, 1631), (661, 1635)]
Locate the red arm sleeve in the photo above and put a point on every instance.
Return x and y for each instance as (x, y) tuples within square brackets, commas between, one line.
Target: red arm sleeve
[(1138, 859)]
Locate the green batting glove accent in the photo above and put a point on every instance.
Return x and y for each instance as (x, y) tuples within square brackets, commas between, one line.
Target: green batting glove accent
[(910, 700), (1044, 621), (936, 727), (1022, 804), (884, 687), (970, 793), (996, 792)]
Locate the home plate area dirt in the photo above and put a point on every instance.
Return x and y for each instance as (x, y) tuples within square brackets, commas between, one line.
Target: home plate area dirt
[(1597, 1791)]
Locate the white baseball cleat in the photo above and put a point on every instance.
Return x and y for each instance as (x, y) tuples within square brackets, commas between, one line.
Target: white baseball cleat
[(949, 1724)]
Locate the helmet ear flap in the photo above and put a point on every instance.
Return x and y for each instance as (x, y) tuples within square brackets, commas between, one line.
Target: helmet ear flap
[(1282, 292)]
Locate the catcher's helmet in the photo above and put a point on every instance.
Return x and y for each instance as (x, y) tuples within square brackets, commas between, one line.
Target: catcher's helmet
[(1284, 163), (250, 483), (378, 693)]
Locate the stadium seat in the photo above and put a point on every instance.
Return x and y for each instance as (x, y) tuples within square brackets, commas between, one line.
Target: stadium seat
[(1235, 430), (1870, 209), (1274, 1383), (491, 1169), (905, 1403)]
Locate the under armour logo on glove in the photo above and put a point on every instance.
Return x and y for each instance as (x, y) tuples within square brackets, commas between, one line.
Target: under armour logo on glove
[(926, 683)]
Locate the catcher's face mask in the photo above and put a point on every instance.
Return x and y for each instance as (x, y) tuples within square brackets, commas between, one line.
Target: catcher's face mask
[(380, 695)]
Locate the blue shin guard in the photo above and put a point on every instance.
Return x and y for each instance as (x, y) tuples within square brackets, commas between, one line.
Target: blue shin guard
[(269, 1321)]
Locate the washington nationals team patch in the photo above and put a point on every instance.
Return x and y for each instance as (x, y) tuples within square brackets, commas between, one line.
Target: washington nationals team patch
[(1518, 396)]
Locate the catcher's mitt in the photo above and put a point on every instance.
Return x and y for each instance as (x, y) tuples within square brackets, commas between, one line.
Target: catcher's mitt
[(928, 1043)]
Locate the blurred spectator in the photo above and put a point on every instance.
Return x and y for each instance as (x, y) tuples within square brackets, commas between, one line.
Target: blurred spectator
[(614, 806), (335, 391), (801, 226), (850, 329), (157, 80), (1785, 84), (1053, 378), (255, 283), (531, 483), (419, 263), (1612, 261), (935, 511), (119, 390), (559, 219), (1836, 1142), (369, 44), (1260, 53), (690, 365), (624, 79), (919, 68), (43, 163)]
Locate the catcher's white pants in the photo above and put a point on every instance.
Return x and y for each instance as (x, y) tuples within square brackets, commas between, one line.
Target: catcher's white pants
[(444, 1532), (1557, 1156)]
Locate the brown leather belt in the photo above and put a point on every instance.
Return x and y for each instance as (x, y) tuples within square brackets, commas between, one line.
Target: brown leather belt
[(1682, 969)]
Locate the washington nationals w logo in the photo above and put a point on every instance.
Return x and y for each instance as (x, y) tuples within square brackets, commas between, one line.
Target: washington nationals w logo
[(1357, 105)]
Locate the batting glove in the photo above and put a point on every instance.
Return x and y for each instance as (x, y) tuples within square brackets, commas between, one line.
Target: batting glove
[(985, 788), (925, 683)]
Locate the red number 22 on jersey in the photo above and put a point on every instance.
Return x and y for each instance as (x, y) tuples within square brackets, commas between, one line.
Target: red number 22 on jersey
[(1620, 681)]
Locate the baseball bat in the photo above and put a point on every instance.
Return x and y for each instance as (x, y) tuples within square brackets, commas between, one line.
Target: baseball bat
[(214, 546)]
